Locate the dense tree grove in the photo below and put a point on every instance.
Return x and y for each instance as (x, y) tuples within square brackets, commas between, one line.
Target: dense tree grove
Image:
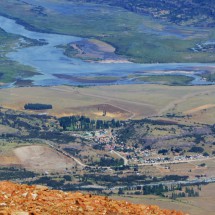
[(37, 106), (109, 162), (83, 123), (156, 190), (196, 149), (163, 151)]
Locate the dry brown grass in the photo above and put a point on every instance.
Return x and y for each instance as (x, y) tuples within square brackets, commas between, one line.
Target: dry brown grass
[(203, 107), (123, 101), (9, 160)]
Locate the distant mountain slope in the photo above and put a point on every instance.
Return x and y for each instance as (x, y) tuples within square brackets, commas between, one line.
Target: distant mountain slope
[(183, 12)]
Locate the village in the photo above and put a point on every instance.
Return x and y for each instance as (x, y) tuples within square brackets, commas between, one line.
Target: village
[(107, 139)]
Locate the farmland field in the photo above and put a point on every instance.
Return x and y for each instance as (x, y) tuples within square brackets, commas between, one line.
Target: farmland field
[(121, 102)]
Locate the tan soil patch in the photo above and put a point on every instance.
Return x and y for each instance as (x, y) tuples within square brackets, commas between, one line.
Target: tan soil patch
[(9, 160), (203, 107), (102, 46), (103, 110), (42, 158)]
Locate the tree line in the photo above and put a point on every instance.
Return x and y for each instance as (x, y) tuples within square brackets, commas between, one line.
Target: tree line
[(37, 106), (83, 123)]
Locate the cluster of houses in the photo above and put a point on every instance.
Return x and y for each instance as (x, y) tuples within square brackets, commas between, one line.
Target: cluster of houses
[(135, 155)]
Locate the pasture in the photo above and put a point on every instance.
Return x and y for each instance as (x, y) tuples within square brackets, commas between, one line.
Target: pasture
[(194, 103)]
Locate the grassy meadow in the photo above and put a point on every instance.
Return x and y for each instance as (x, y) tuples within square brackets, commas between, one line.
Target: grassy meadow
[(167, 79)]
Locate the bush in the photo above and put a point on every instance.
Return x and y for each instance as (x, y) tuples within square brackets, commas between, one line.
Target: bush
[(205, 154), (196, 149), (202, 165), (163, 151)]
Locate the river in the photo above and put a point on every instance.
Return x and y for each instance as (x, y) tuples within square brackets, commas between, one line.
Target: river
[(49, 60)]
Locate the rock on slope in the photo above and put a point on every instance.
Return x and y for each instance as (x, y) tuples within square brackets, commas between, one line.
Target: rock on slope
[(18, 199)]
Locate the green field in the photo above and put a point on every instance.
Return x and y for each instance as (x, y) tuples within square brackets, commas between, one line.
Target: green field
[(167, 79), (118, 27)]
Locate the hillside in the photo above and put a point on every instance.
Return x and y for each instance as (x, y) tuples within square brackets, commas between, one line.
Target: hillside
[(193, 12), (26, 200)]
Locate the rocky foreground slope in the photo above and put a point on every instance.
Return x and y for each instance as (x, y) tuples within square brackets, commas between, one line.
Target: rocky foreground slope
[(18, 199)]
